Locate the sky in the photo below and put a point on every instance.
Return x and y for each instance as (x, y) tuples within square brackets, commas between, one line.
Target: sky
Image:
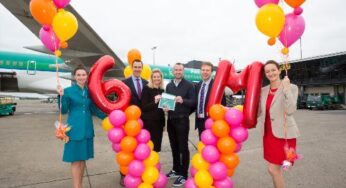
[(185, 30)]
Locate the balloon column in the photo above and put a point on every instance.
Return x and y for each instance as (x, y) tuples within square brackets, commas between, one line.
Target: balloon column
[(216, 159), (133, 55), (272, 21), (58, 25)]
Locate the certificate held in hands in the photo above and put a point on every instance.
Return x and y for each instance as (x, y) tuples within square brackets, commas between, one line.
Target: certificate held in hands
[(167, 101)]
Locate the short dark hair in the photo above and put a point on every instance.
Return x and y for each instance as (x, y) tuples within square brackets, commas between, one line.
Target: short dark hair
[(79, 67), (178, 64), (136, 60), (207, 63), (273, 63)]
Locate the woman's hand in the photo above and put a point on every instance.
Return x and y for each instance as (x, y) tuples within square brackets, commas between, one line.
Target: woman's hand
[(60, 90), (157, 98), (286, 83)]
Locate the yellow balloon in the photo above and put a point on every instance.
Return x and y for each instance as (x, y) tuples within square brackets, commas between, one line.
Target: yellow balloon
[(200, 146), (65, 25), (152, 160), (151, 145), (146, 72), (199, 163), (203, 179), (127, 71), (270, 20), (106, 124), (150, 175), (145, 185), (239, 107)]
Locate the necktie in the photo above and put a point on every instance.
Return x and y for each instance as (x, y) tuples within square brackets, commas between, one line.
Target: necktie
[(139, 90), (201, 100)]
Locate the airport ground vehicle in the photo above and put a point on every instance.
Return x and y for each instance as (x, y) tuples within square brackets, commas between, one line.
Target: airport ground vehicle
[(323, 101), (7, 106)]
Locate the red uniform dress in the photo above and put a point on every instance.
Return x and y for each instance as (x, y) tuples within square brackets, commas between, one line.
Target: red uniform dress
[(273, 148)]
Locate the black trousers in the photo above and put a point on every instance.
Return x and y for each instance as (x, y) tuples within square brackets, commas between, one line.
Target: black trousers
[(178, 133), (155, 127)]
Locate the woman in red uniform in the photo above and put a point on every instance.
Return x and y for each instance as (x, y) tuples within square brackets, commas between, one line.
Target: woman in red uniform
[(278, 103)]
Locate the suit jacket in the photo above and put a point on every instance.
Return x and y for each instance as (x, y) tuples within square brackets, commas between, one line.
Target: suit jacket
[(134, 97), (282, 101)]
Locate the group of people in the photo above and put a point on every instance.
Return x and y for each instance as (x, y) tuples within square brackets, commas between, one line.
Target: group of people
[(277, 104)]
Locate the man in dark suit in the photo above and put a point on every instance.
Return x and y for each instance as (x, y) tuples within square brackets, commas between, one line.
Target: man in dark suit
[(203, 89)]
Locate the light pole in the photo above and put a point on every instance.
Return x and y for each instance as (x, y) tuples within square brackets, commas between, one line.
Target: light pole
[(153, 49)]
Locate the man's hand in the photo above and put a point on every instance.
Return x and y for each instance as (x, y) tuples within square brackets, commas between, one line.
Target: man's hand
[(178, 99)]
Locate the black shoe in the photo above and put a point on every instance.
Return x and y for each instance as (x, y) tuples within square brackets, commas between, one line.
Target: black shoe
[(179, 181), (172, 174), (121, 182)]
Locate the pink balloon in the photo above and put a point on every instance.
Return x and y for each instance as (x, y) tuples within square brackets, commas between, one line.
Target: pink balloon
[(161, 182), (61, 3), (298, 11), (142, 151), (116, 147), (208, 138), (141, 122), (225, 183), (237, 148), (136, 168), (158, 166), (239, 134), (190, 183), (117, 118), (115, 135), (293, 29), (143, 136), (218, 171), (210, 153), (132, 182), (234, 117), (260, 3), (208, 123), (193, 171), (49, 39)]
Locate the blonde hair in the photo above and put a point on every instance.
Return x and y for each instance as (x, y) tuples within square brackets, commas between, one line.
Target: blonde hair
[(150, 84)]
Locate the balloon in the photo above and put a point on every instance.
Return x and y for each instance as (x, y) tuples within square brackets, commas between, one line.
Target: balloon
[(217, 112), (61, 3), (270, 20), (65, 25), (230, 160), (294, 3), (293, 29), (106, 124), (203, 179), (136, 168), (239, 134), (158, 166), (132, 128), (143, 136), (146, 72), (230, 172), (225, 183), (145, 185), (298, 11), (128, 71), (190, 183), (208, 123), (220, 128), (193, 171), (226, 145), (199, 163), (133, 112), (237, 148), (124, 170), (151, 145), (142, 151), (260, 3), (115, 135), (116, 147), (239, 107), (128, 144), (234, 117), (132, 182), (161, 181), (208, 138), (49, 39), (150, 175), (99, 89), (250, 79), (210, 154), (200, 146), (140, 121), (43, 11), (218, 171), (117, 118), (152, 160), (124, 158), (133, 55)]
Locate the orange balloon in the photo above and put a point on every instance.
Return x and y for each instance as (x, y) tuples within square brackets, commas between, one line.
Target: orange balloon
[(128, 144), (220, 128), (133, 112), (133, 55), (132, 128), (230, 160), (124, 158), (124, 170), (43, 11), (230, 172), (294, 3), (217, 112), (226, 145)]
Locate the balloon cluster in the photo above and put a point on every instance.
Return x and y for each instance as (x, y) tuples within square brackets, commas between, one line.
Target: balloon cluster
[(272, 22), (133, 55), (216, 159), (58, 25), (134, 149)]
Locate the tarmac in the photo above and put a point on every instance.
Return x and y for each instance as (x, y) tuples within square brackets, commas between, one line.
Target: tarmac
[(31, 155)]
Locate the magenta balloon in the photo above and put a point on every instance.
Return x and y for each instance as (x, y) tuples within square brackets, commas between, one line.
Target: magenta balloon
[(260, 3), (237, 148), (61, 3), (116, 147), (239, 134), (117, 118), (136, 168), (116, 134), (143, 136), (161, 182), (190, 183), (218, 171), (49, 39), (141, 122), (298, 11), (158, 166), (193, 171), (208, 138), (208, 123), (234, 117), (293, 29), (225, 183), (142, 151), (132, 182), (210, 153)]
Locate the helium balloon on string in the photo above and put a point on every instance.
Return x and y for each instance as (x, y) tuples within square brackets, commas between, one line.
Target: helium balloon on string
[(292, 31)]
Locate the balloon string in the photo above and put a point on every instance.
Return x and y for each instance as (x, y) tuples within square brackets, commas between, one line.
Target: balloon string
[(57, 76)]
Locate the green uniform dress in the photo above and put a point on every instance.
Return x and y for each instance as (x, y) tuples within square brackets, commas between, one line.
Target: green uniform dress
[(79, 106)]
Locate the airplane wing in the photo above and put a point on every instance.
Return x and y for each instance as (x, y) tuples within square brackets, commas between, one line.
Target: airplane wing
[(85, 47)]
